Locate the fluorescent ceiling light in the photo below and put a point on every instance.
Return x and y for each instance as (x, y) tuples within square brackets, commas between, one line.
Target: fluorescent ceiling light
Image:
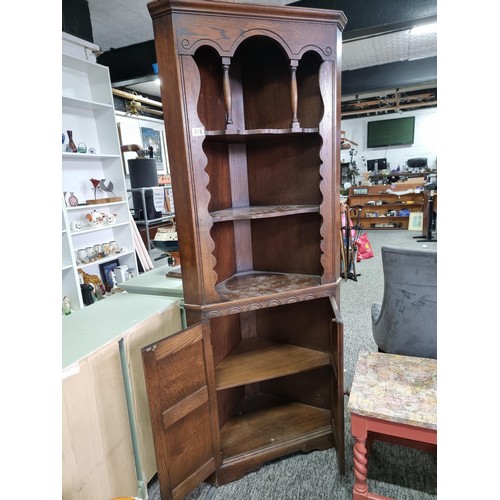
[(424, 29)]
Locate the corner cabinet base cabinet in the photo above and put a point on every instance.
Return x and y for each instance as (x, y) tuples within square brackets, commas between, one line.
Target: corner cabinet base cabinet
[(235, 391), (254, 111)]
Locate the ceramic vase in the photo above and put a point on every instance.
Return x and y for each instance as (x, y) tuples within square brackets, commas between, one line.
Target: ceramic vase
[(71, 144), (72, 199)]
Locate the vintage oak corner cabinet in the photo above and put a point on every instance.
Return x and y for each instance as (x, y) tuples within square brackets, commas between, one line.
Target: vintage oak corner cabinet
[(251, 95)]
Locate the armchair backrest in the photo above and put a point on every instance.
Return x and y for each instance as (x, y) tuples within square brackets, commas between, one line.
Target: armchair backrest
[(407, 323)]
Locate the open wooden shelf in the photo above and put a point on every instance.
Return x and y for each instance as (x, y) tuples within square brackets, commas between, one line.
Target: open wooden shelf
[(231, 136), (287, 424), (256, 359), (259, 284), (262, 212)]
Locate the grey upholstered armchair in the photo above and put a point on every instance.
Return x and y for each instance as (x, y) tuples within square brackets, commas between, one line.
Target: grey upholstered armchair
[(406, 321)]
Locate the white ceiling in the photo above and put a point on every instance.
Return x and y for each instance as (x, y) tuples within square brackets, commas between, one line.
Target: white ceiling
[(119, 23)]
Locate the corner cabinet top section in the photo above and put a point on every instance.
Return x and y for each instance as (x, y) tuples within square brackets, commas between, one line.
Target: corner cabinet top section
[(252, 93), (226, 31)]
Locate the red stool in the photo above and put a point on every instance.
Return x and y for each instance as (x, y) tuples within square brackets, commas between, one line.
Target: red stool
[(393, 398)]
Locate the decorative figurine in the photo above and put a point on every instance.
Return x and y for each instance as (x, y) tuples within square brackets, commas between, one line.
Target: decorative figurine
[(66, 306), (95, 185)]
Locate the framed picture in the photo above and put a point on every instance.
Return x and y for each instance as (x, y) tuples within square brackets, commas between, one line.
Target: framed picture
[(415, 222), (360, 191), (105, 270), (152, 137)]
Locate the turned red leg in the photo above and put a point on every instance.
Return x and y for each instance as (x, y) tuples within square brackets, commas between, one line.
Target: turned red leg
[(360, 488)]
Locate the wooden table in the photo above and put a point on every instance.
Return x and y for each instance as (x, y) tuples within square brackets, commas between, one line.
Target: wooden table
[(393, 398)]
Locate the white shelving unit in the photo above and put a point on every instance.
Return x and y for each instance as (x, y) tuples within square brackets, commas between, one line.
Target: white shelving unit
[(88, 112)]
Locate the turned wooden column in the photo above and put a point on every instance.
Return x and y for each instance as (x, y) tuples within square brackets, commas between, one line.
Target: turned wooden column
[(294, 93), (226, 62)]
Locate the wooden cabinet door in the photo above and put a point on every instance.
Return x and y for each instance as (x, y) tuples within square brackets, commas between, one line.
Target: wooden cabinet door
[(337, 353), (179, 375)]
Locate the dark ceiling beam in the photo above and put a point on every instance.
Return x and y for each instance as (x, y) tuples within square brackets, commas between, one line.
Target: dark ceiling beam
[(76, 19), (369, 17), (390, 76), (130, 64)]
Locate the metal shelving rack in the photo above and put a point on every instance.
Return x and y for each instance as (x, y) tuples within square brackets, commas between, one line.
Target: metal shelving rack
[(147, 222)]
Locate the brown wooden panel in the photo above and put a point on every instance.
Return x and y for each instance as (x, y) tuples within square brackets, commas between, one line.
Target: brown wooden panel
[(225, 250), (285, 172), (185, 429), (287, 244), (266, 83), (211, 100), (305, 324), (310, 104), (219, 184), (312, 388)]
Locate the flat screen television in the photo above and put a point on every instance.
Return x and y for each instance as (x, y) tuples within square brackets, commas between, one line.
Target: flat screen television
[(395, 132)]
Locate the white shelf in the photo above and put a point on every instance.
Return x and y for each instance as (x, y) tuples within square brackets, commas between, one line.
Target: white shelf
[(102, 261), (88, 206), (88, 156), (84, 104), (88, 111), (93, 229)]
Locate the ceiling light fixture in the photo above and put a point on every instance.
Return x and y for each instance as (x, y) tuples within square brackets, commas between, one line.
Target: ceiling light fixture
[(424, 29)]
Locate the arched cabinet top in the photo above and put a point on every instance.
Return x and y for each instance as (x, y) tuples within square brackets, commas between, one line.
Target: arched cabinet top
[(233, 23)]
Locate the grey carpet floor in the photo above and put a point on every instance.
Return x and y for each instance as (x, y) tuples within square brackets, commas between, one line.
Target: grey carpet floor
[(395, 471)]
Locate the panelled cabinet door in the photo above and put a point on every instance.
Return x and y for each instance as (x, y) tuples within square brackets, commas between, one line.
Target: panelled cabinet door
[(337, 354), (179, 377)]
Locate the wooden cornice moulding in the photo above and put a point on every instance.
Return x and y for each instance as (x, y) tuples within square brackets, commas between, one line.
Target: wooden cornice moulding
[(227, 9)]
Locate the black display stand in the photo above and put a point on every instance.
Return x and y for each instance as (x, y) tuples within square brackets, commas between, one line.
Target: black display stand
[(430, 211)]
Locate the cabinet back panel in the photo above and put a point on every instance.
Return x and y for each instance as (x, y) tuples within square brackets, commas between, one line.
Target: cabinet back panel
[(285, 172), (211, 109), (217, 169), (311, 388), (226, 333), (305, 324), (310, 105), (287, 244), (266, 84), (225, 250)]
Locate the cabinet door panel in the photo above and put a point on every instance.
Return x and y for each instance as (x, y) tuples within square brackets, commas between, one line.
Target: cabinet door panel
[(179, 382)]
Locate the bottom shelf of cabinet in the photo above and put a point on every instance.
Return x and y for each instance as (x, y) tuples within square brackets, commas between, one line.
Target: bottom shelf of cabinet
[(266, 429)]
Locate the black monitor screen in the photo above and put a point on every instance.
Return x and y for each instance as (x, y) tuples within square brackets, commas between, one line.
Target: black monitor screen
[(395, 132), (376, 165)]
